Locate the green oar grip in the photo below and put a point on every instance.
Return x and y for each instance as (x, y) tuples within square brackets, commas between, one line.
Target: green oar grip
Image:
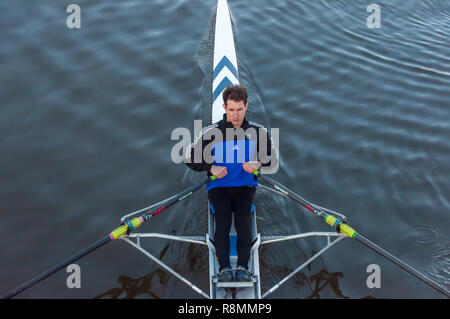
[(122, 230), (344, 228)]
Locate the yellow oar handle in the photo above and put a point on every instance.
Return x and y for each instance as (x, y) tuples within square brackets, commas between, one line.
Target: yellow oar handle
[(122, 230), (130, 225), (344, 228)]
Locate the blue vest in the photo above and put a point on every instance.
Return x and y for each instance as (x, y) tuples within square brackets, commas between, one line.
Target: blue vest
[(232, 154)]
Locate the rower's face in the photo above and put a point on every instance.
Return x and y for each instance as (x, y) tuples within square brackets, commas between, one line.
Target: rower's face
[(235, 112)]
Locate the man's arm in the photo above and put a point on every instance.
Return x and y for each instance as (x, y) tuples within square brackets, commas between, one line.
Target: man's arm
[(197, 159), (193, 156)]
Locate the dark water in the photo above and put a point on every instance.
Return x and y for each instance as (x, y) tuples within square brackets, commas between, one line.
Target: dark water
[(86, 117)]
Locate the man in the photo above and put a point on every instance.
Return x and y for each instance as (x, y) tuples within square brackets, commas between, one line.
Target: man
[(232, 158)]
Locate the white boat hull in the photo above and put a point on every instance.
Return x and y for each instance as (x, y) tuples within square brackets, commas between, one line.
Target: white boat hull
[(225, 72)]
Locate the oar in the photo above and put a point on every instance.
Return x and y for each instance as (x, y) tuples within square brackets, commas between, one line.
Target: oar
[(129, 225), (340, 226)]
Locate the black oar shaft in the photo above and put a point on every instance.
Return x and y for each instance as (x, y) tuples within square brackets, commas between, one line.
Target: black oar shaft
[(58, 267), (401, 264), (295, 197), (359, 237), (186, 193), (117, 233)]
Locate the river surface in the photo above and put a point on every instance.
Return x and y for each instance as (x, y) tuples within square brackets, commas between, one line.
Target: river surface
[(86, 117)]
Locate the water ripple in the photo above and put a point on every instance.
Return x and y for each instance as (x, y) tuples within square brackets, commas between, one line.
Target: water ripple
[(86, 117)]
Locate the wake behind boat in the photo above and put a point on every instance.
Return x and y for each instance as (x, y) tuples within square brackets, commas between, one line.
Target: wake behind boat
[(225, 72)]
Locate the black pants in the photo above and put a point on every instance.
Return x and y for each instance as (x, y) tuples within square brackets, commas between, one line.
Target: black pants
[(238, 200)]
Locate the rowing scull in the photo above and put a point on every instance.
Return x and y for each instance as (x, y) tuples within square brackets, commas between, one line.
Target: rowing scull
[(226, 72)]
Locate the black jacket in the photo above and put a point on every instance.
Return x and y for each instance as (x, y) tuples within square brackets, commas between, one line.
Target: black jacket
[(251, 136)]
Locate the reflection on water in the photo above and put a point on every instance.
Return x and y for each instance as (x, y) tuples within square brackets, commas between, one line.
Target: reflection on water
[(131, 288), (322, 279)]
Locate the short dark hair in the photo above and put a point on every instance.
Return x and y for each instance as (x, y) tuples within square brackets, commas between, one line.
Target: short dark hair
[(236, 93)]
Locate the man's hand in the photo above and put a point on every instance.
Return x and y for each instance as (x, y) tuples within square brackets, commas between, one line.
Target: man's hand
[(250, 167), (219, 171)]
